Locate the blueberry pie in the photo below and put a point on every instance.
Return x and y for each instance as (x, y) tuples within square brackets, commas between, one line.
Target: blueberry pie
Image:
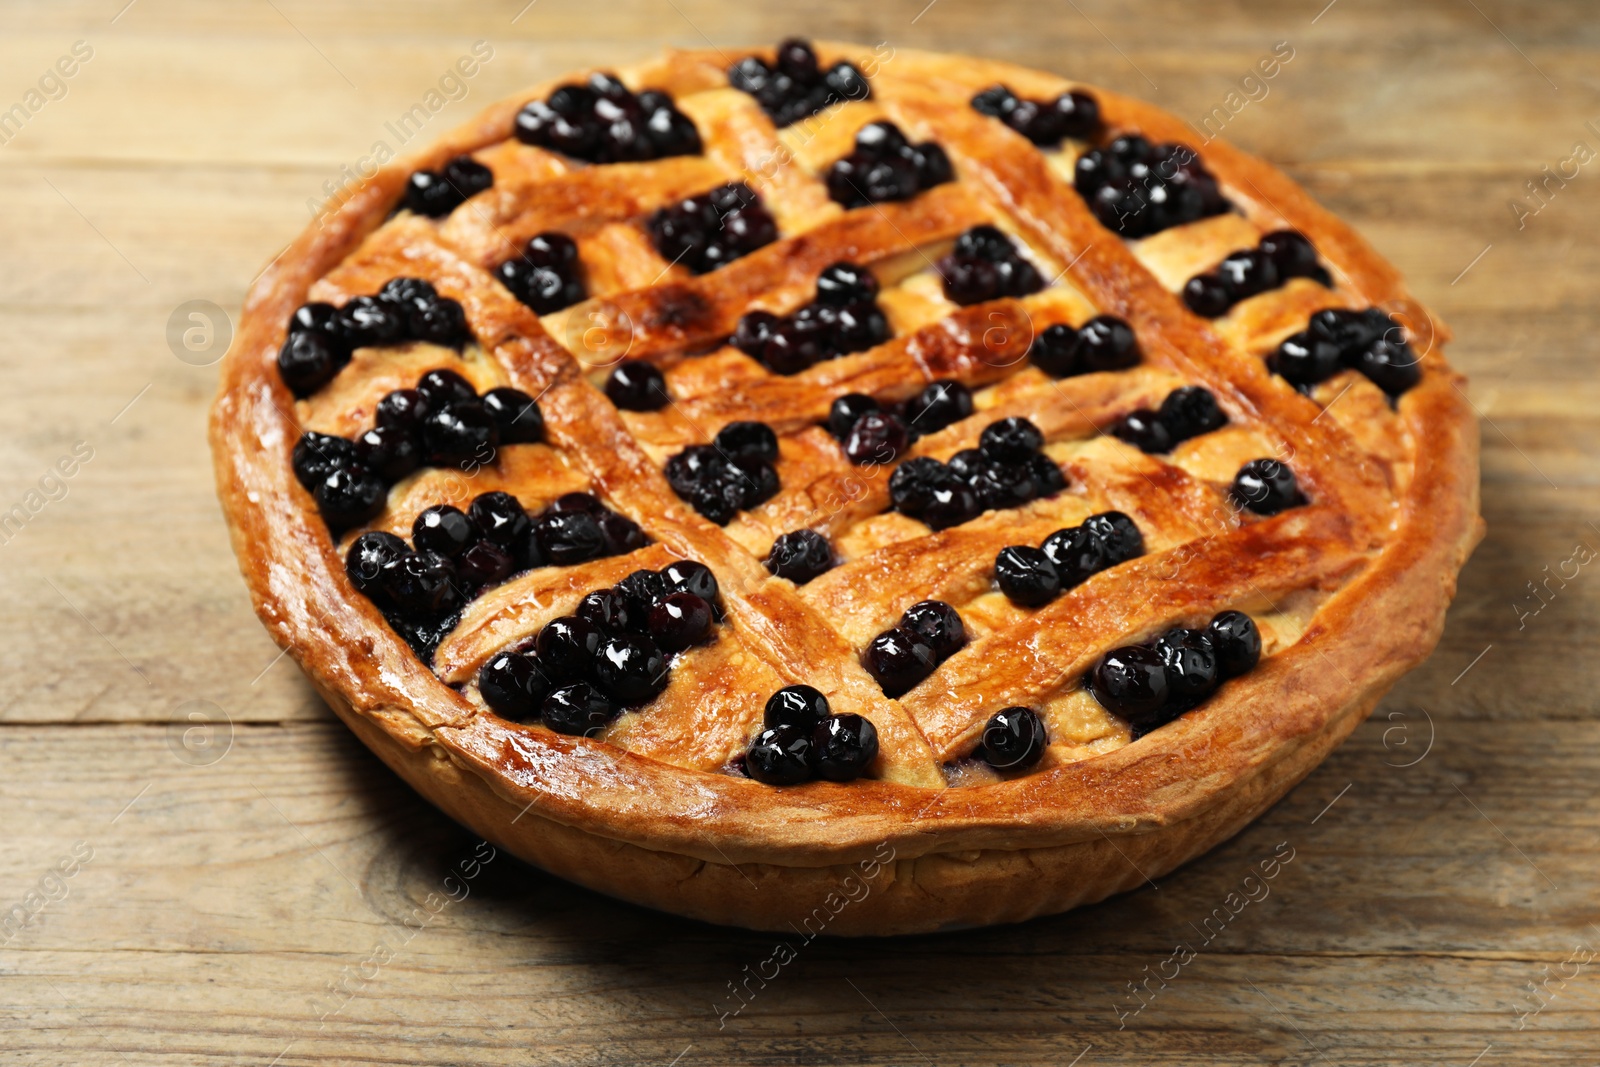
[(744, 476)]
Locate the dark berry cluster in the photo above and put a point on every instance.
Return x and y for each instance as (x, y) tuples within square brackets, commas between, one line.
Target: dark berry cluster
[(929, 633), (1073, 114), (613, 652), (547, 276), (874, 433), (799, 556), (322, 337), (436, 193), (1013, 739), (795, 87), (1006, 470), (1033, 576), (455, 555), (714, 228), (985, 264), (1369, 341), (884, 166), (1136, 188), (843, 318), (1185, 413), (732, 474), (637, 386), (604, 122), (1150, 685), (442, 422), (801, 739), (1280, 255), (1103, 343), (1266, 487)]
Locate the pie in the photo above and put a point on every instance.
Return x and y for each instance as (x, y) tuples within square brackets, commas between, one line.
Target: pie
[(841, 489)]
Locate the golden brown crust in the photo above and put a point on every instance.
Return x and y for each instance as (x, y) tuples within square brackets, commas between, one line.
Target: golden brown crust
[(1386, 538)]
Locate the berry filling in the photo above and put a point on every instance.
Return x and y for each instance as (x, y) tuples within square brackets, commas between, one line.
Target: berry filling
[(800, 739), (1104, 343), (1151, 685), (985, 264), (614, 652), (799, 556), (603, 121), (1281, 255), (1013, 739), (1006, 470), (1073, 114), (884, 167), (322, 337), (1266, 487), (1136, 188), (929, 633), (1370, 341), (843, 318), (436, 193), (714, 228), (548, 276), (1185, 413), (637, 386), (1034, 576), (796, 87), (734, 473)]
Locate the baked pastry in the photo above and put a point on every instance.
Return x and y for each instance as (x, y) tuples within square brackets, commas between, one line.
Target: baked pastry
[(846, 490)]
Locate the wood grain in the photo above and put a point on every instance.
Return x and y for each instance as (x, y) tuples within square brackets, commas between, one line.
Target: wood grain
[(223, 898)]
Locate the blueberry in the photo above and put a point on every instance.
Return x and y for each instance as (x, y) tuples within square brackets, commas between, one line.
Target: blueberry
[(1077, 553), (427, 193), (1248, 273), (938, 624), (637, 386), (444, 529), (622, 535), (516, 415), (933, 165), (403, 409), (366, 321), (845, 82), (876, 437), (513, 685), (1291, 253), (367, 558), (1236, 642), (422, 584), (501, 518), (1010, 440), (1026, 576), (996, 101), (459, 433), (315, 317), (679, 620), (1055, 351), (1046, 475), (428, 316), (607, 609), (484, 564), (1013, 739), (1118, 536), (690, 576), (757, 482), (441, 387), (779, 756), (1304, 359), (468, 176), (747, 441), (1131, 682), (1266, 487), (579, 710), (317, 455), (1349, 331), (846, 410), (1191, 411), (950, 504), (1107, 343), (569, 537), (1191, 666), (1078, 113), (631, 669), (754, 330), (672, 133), (567, 646), (389, 452), (350, 496), (899, 659), (307, 362), (790, 348), (799, 706), (799, 556), (578, 502), (1037, 122), (969, 280), (797, 60), (844, 283), (913, 482), (1208, 295), (938, 405), (843, 747), (1144, 430), (1391, 366), (1000, 486)]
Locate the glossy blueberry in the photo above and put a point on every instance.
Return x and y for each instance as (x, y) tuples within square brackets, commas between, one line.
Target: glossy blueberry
[(389, 452), (441, 387), (679, 620), (938, 624), (996, 101), (579, 710), (1304, 359), (790, 348), (1266, 487), (1236, 642), (513, 685), (1118, 535), (500, 517), (1077, 553), (747, 442), (1208, 295), (317, 455), (843, 747), (1191, 666), (516, 415), (637, 386), (630, 669), (367, 321), (578, 502), (1046, 475), (484, 564), (707, 231), (1107, 343), (1055, 351), (1013, 739), (1001, 486), (569, 537), (1131, 682), (800, 706), (779, 756), (622, 534), (1248, 273), (913, 482), (459, 433), (314, 317), (367, 558), (1010, 440), (642, 588), (307, 362), (799, 556), (846, 410), (350, 496), (1347, 330), (938, 405), (1392, 366), (1291, 253), (403, 409), (876, 437), (607, 609), (1078, 114), (567, 647), (422, 584), (844, 283), (754, 330), (1026, 576), (1144, 430), (899, 659), (950, 504), (691, 576), (444, 529)]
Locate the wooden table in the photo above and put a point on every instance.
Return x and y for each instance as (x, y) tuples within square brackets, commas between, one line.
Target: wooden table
[(241, 889)]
